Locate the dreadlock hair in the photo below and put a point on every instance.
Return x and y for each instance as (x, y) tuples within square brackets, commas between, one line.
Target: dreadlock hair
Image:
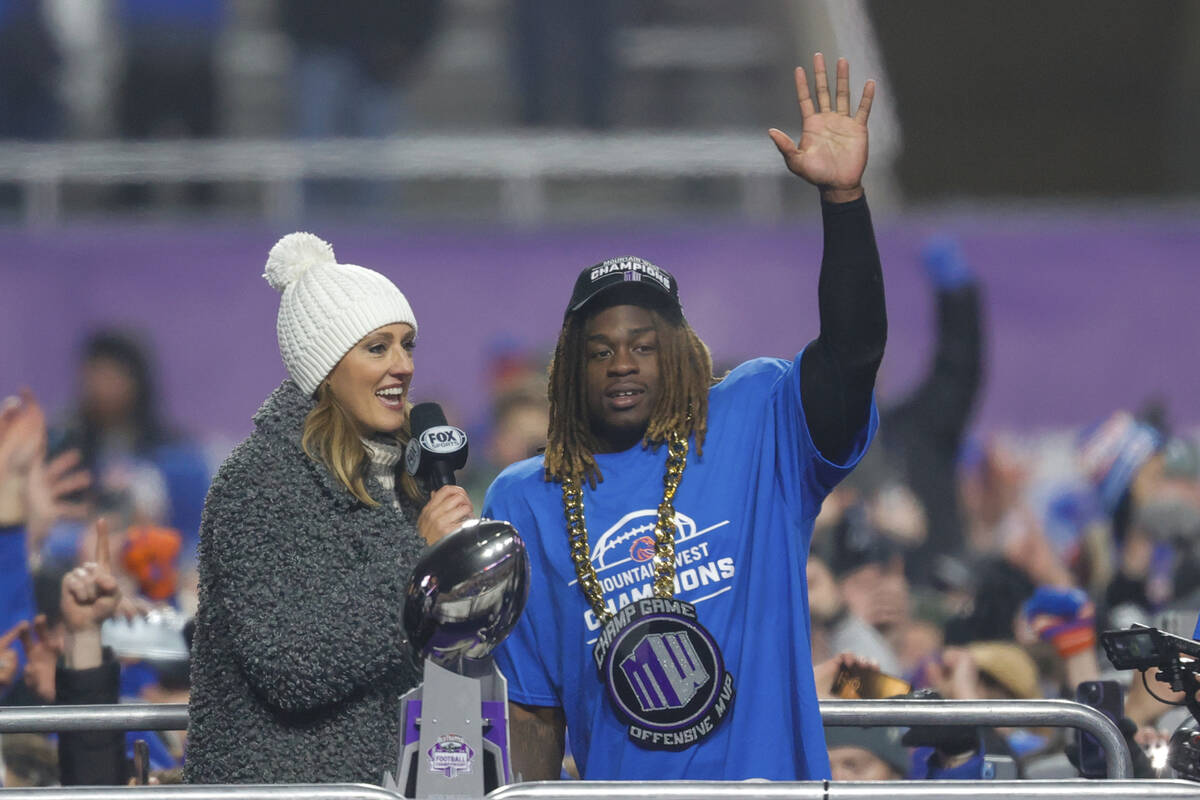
[(685, 370)]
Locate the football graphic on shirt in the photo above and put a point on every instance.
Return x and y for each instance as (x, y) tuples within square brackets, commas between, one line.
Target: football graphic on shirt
[(615, 545)]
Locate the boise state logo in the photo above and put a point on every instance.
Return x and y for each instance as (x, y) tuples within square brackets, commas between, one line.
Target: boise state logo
[(642, 549)]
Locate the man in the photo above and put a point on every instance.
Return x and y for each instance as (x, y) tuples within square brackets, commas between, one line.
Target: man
[(667, 624), (867, 754), (836, 628)]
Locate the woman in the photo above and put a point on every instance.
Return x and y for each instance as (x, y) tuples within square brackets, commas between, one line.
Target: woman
[(126, 443), (299, 657)]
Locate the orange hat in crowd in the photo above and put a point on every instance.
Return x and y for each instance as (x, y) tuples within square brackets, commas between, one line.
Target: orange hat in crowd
[(151, 555)]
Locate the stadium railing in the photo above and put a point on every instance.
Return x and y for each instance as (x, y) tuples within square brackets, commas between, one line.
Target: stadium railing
[(849, 790), (522, 163), (1037, 713), (322, 791), (655, 790), (1034, 713)]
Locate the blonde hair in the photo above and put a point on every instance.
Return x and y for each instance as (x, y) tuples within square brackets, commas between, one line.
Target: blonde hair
[(331, 438), (684, 368)]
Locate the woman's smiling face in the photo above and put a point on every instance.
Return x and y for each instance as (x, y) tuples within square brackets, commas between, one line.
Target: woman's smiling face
[(371, 381)]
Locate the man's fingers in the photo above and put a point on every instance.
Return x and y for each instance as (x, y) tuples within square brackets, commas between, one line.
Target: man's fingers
[(106, 584), (9, 408), (71, 483), (62, 463), (12, 633), (71, 510), (81, 591), (103, 556), (822, 80), (782, 141), (806, 103), (132, 608), (26, 635), (41, 627), (72, 584), (83, 586), (843, 86), (864, 105)]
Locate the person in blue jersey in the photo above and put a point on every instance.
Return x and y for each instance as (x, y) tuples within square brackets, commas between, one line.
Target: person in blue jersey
[(668, 522)]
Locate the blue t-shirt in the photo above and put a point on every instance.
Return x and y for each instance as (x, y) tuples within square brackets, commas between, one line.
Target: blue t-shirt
[(744, 517), (16, 586)]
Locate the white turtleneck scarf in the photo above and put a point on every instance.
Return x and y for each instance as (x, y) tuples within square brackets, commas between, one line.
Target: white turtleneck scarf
[(384, 458)]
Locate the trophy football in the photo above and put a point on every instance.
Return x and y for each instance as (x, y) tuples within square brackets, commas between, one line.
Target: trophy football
[(465, 596)]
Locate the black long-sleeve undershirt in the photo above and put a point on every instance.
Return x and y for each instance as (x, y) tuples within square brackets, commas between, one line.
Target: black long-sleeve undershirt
[(91, 758), (837, 372)]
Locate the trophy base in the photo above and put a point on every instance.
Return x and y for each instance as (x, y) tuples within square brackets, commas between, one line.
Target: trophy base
[(454, 735)]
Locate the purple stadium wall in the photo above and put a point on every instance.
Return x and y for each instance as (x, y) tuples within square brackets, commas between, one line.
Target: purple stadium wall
[(1084, 315)]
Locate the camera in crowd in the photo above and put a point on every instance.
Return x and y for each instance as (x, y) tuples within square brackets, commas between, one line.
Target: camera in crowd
[(1177, 661)]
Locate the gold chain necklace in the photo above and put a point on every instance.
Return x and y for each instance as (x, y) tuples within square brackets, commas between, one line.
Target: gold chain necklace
[(664, 531)]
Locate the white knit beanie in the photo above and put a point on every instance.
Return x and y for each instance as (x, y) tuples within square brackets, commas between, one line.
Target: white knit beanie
[(326, 306)]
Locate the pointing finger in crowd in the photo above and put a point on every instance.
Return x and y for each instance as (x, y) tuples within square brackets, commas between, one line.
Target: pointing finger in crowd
[(103, 556)]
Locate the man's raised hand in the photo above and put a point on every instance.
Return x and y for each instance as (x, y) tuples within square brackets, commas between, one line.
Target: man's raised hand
[(832, 151), (48, 495)]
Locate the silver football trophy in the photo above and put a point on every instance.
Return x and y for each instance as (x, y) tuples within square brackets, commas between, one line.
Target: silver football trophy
[(465, 596)]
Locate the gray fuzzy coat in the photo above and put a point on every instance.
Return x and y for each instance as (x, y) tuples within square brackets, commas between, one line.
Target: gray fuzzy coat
[(298, 660)]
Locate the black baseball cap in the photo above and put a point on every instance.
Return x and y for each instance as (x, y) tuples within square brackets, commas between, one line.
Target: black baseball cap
[(641, 280)]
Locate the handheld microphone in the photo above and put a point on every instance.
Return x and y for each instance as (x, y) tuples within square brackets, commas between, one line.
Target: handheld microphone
[(436, 449)]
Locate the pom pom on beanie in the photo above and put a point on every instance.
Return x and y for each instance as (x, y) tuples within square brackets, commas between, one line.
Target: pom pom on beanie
[(293, 255)]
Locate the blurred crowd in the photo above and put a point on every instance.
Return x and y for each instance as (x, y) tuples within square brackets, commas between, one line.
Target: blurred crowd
[(959, 566), (984, 567), (348, 64)]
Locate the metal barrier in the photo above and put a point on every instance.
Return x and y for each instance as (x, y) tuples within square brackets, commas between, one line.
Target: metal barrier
[(1036, 713), (1039, 713), (122, 717), (665, 790), (849, 790), (323, 791)]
